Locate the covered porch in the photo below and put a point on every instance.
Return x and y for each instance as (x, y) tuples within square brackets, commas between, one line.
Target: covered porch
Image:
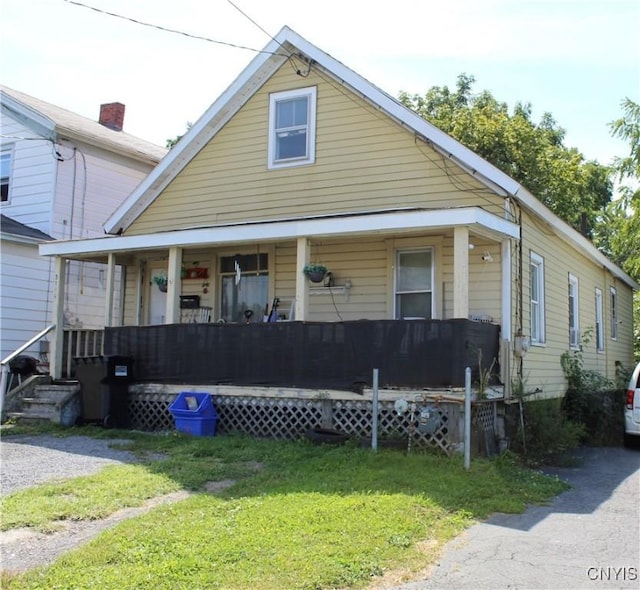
[(469, 278)]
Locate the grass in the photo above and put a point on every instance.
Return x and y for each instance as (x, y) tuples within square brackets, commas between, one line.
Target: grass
[(299, 516)]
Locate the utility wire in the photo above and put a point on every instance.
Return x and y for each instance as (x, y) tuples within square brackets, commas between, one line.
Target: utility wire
[(168, 30)]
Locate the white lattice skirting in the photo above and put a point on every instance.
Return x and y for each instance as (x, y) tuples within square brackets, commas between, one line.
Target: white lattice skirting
[(290, 418)]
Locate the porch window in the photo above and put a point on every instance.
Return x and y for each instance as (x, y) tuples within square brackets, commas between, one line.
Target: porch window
[(244, 286), (292, 117), (599, 327), (537, 299), (414, 284), (613, 299), (5, 174), (574, 325)]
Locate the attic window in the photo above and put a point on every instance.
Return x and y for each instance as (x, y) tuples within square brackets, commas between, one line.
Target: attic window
[(292, 121)]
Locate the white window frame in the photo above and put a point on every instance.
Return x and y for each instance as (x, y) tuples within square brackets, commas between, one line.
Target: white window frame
[(613, 301), (599, 320), (309, 158), (398, 253), (7, 152), (538, 317), (574, 311)]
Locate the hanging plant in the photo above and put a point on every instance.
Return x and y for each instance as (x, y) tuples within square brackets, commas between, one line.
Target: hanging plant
[(315, 272), (161, 281)]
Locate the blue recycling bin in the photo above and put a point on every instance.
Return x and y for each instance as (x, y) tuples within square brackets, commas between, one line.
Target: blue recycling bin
[(194, 413)]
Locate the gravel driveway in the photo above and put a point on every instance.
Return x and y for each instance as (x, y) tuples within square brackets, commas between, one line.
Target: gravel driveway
[(31, 460)]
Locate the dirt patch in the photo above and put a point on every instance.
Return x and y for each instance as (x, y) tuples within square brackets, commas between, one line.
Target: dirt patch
[(23, 549)]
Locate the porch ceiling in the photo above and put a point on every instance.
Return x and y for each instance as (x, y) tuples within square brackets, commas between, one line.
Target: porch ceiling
[(476, 219)]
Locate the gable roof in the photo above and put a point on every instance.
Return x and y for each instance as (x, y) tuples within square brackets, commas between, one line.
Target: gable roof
[(288, 44), (16, 231), (55, 122)]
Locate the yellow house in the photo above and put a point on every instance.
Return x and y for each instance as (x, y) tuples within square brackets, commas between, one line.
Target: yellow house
[(302, 161)]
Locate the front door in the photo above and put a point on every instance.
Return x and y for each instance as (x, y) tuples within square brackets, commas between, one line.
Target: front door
[(157, 298)]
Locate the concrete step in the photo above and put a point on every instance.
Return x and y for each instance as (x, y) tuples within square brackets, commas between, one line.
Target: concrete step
[(40, 400), (34, 415)]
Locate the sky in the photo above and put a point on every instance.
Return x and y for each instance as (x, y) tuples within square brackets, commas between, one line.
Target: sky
[(576, 59)]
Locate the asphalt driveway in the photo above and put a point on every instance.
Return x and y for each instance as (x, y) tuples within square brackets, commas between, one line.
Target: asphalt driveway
[(587, 538)]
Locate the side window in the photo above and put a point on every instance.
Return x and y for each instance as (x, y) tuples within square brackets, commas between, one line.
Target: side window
[(599, 326), (414, 284), (574, 324), (614, 312), (292, 133), (537, 299), (5, 173)]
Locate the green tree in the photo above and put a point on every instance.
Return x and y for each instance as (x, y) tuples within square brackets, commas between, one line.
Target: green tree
[(170, 143), (618, 232), (533, 154)]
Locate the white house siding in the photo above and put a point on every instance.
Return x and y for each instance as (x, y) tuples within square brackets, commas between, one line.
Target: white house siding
[(32, 179), (91, 183), (24, 284), (541, 365)]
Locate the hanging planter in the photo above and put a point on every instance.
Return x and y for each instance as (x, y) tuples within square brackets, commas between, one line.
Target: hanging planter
[(161, 281), (315, 272)]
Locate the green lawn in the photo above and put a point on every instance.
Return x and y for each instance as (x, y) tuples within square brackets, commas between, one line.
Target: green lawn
[(299, 516)]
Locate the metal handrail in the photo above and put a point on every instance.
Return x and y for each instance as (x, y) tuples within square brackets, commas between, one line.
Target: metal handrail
[(4, 364)]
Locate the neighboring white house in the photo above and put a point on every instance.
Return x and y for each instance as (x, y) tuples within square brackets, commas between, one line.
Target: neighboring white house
[(61, 176)]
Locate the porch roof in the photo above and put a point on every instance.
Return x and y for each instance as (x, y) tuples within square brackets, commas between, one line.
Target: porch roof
[(476, 219)]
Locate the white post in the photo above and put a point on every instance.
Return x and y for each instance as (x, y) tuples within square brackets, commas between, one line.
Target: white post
[(174, 286), (303, 253), (467, 417), (56, 351), (461, 272), (109, 295), (374, 411)]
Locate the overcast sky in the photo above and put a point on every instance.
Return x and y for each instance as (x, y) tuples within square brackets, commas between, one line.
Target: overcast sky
[(576, 59)]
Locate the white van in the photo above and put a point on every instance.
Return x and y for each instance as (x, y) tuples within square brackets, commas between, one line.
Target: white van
[(632, 409)]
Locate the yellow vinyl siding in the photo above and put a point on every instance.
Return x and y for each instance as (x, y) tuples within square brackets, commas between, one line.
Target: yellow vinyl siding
[(364, 161), (541, 366)]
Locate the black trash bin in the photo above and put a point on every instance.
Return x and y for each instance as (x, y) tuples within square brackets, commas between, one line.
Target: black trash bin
[(105, 389)]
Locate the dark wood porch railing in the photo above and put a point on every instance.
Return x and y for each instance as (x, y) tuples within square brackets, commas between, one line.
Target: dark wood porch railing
[(332, 355)]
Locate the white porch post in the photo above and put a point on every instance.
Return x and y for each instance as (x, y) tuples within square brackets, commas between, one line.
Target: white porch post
[(461, 272), (56, 348), (505, 377), (303, 255), (174, 286), (111, 277)]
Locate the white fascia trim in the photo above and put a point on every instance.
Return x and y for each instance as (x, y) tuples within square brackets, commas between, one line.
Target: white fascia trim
[(17, 239), (573, 237), (472, 217), (446, 143), (38, 123), (213, 119)]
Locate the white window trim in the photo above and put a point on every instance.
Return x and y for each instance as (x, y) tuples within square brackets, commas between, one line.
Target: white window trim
[(613, 302), (599, 321), (537, 261), (9, 149), (574, 331), (276, 97), (397, 253)]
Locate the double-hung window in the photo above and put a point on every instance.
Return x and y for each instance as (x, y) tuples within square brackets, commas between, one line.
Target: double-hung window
[(599, 326), (292, 122), (537, 299), (414, 284), (5, 173), (574, 324), (613, 299)]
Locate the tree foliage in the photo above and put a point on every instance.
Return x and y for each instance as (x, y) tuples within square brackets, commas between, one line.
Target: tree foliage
[(533, 154), (618, 233)]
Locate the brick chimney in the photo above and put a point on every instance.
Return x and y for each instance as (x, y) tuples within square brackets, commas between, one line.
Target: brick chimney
[(112, 115)]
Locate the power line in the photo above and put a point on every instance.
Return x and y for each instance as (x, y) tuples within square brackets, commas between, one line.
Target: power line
[(168, 30)]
